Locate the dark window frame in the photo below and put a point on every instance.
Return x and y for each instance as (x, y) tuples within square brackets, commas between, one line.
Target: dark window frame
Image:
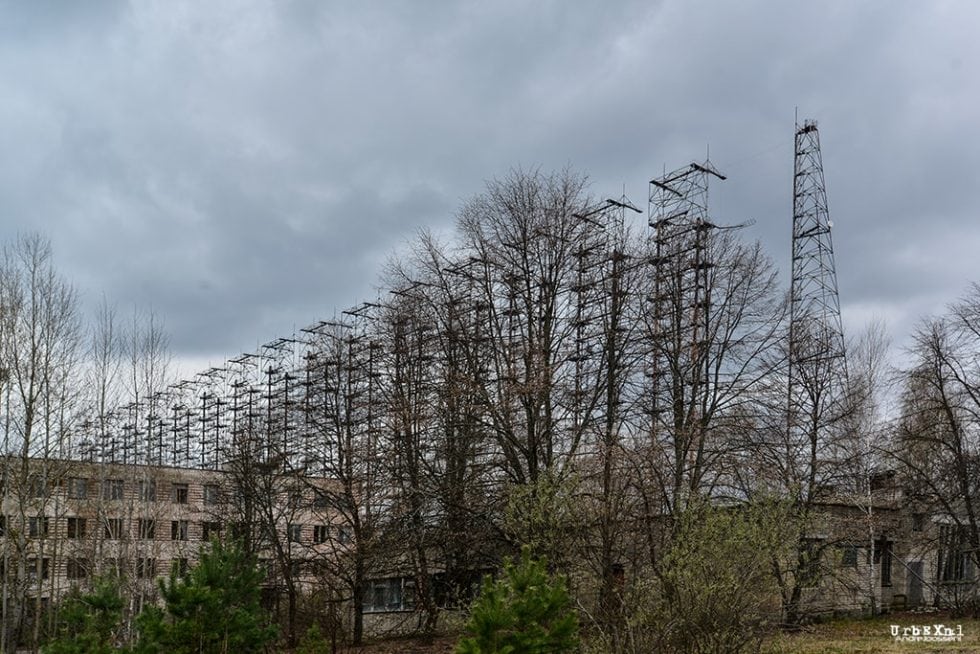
[(37, 486), (212, 494), (38, 526), (77, 568), (147, 489), (147, 528), (146, 568), (883, 556), (955, 562), (180, 493), (32, 568), (113, 528), (179, 530), (209, 529), (113, 489), (389, 595), (77, 488), (77, 527)]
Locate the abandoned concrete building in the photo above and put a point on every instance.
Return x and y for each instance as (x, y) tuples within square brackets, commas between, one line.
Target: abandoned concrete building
[(64, 523), (887, 545), (80, 520)]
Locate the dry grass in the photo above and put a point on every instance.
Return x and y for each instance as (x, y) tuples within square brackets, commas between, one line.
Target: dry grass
[(439, 645), (845, 636), (869, 636)]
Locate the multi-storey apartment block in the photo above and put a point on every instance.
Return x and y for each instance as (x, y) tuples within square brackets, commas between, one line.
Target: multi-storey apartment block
[(65, 523)]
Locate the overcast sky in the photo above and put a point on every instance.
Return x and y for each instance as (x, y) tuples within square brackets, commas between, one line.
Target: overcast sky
[(243, 168)]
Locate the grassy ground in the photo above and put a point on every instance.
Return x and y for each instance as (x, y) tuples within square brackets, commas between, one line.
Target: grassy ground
[(869, 636), (440, 645), (857, 636)]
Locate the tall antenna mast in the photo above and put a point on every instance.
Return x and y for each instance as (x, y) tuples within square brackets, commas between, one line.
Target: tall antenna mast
[(679, 318), (817, 364)]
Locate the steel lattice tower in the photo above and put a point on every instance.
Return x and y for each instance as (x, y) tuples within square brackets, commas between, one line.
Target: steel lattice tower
[(817, 363), (682, 257)]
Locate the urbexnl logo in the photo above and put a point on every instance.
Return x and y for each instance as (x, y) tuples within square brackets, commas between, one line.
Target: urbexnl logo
[(934, 633)]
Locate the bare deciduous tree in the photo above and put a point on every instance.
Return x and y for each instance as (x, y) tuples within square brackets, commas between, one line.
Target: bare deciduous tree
[(938, 440), (40, 342)]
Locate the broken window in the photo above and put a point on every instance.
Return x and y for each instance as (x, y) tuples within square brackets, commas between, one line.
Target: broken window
[(392, 594), (37, 526), (147, 490), (78, 488), (147, 529), (179, 494), (76, 527), (883, 558), (77, 568), (178, 530), (113, 528), (954, 563), (112, 489)]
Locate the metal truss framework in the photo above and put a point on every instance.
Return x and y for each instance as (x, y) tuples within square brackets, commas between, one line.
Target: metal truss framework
[(817, 363)]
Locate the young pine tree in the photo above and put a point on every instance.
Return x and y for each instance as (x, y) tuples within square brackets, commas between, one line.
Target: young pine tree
[(214, 608), (313, 642), (87, 623), (526, 611)]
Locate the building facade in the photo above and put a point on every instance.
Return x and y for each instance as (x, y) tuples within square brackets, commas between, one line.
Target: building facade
[(66, 523)]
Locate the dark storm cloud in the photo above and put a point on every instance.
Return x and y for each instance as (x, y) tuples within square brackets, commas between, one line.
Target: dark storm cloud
[(245, 167)]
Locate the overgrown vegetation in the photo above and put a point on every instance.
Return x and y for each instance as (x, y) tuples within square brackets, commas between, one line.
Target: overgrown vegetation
[(873, 636), (212, 609), (525, 611), (88, 622), (553, 378), (712, 592)]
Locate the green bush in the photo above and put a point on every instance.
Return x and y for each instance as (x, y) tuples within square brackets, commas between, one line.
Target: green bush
[(87, 623), (713, 591), (313, 642), (526, 611), (213, 608)]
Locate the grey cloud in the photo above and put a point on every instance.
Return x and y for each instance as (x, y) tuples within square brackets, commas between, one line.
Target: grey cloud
[(247, 167)]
